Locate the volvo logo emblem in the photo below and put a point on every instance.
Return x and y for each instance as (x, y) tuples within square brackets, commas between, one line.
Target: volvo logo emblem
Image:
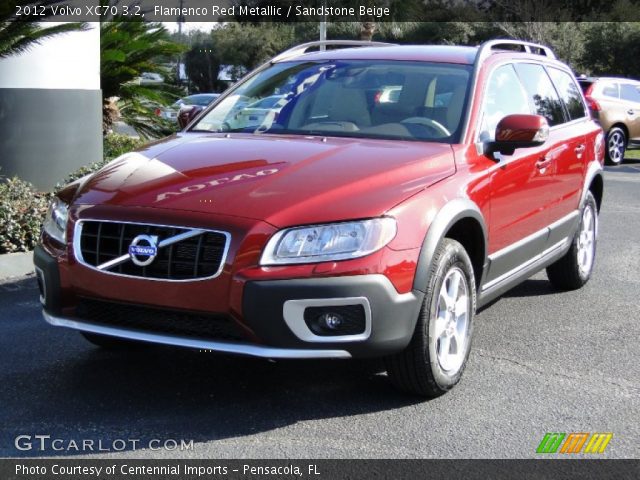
[(143, 249)]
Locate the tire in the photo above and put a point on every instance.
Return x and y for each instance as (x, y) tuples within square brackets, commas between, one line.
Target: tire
[(426, 367), (574, 269), (616, 146), (111, 343)]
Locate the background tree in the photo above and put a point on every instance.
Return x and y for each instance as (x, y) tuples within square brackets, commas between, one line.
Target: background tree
[(249, 45), (367, 29), (612, 48), (128, 49), (202, 65)]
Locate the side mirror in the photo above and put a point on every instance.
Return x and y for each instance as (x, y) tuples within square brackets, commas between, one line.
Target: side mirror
[(519, 131), (186, 114)]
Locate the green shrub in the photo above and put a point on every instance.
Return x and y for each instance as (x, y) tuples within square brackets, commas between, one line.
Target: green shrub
[(115, 145), (22, 210)]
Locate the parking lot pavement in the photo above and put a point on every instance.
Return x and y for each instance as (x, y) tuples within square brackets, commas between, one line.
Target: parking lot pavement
[(541, 362)]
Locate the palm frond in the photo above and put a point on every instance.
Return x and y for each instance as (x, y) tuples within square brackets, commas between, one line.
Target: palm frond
[(139, 114), (18, 37)]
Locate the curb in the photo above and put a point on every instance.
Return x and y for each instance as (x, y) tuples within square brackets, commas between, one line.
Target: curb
[(16, 265)]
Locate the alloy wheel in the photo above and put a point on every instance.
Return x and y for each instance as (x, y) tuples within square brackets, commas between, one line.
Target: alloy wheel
[(587, 240), (616, 147), (452, 321)]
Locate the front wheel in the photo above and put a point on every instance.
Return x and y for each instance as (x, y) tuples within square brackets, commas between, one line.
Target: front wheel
[(574, 269), (434, 361)]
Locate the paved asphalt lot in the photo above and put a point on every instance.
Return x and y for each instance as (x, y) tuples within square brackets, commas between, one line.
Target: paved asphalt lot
[(541, 362)]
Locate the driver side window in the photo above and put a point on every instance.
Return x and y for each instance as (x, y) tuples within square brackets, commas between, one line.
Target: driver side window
[(504, 96)]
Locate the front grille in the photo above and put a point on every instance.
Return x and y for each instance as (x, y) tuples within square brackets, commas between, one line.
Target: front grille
[(158, 320), (200, 256)]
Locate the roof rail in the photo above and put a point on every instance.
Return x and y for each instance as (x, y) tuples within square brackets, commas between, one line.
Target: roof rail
[(506, 44), (302, 48)]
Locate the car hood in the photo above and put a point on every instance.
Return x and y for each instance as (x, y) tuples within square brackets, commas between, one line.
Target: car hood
[(282, 180)]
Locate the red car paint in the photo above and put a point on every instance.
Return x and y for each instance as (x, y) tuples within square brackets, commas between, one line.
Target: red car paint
[(297, 180)]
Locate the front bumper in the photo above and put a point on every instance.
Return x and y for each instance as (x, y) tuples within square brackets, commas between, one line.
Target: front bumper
[(224, 347), (272, 316), (391, 322)]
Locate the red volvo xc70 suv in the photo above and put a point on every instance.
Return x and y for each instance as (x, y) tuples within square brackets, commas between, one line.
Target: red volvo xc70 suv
[(367, 207)]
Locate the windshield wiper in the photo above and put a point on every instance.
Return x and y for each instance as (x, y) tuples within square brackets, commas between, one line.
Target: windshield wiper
[(236, 130), (204, 130)]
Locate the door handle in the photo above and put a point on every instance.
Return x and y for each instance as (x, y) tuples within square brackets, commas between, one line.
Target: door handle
[(580, 150), (544, 162), (631, 111)]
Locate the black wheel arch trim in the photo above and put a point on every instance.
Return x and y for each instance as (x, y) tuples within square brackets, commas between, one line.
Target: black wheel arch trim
[(451, 213), (594, 170)]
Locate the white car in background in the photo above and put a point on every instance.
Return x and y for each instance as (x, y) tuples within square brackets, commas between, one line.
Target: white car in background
[(255, 113), (150, 78)]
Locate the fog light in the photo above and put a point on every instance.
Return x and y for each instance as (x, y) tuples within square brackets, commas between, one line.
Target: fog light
[(330, 320), (335, 320)]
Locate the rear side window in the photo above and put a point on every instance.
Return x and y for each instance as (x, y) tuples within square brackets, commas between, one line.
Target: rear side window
[(610, 90), (569, 93), (504, 96), (630, 92), (542, 95)]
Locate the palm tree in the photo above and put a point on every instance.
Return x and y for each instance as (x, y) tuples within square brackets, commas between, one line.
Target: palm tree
[(128, 49), (17, 35)]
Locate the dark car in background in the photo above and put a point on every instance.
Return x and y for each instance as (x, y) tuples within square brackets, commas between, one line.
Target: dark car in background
[(200, 100), (615, 103)]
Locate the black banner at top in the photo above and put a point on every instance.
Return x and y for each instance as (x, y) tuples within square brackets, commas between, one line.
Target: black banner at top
[(321, 10)]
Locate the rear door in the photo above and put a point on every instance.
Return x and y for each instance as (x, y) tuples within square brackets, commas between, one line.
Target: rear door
[(571, 163)]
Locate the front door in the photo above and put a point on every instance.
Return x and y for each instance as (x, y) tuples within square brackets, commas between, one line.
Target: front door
[(521, 184)]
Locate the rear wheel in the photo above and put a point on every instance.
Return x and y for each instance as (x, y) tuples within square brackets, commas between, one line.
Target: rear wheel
[(111, 343), (616, 146), (574, 269), (434, 361)]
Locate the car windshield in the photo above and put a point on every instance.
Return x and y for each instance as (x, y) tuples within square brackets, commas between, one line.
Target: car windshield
[(355, 98)]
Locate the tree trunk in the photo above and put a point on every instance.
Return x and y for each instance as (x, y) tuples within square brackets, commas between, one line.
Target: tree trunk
[(367, 30), (110, 114), (210, 79)]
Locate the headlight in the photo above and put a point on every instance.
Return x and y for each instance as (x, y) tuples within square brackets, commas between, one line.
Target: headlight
[(323, 243), (55, 224)]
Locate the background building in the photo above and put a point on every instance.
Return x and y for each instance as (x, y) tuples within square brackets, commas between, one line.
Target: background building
[(51, 109)]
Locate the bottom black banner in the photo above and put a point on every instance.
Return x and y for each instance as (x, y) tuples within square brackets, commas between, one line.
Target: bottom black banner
[(104, 469)]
